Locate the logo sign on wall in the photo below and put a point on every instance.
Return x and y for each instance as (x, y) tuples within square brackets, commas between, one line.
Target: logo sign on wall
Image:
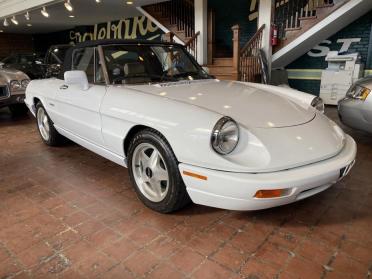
[(322, 49), (132, 28)]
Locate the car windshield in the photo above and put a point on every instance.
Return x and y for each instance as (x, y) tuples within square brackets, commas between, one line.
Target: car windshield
[(136, 64)]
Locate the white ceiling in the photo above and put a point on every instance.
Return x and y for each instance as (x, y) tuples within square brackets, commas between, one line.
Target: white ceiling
[(86, 12)]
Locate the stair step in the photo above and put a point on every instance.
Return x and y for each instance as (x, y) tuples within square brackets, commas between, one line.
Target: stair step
[(293, 29), (326, 6), (222, 61), (220, 70), (307, 17)]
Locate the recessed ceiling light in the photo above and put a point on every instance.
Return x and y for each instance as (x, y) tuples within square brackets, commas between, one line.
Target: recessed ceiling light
[(1, 31), (98, 1), (29, 24), (14, 20), (27, 16), (68, 6), (44, 12), (129, 2), (71, 16), (6, 23)]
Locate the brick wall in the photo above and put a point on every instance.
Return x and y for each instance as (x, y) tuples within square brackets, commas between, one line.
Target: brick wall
[(15, 43)]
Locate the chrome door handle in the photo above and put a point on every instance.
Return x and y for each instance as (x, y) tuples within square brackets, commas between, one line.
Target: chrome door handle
[(63, 87)]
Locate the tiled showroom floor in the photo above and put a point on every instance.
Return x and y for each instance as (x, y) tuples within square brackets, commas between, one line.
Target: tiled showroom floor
[(68, 213)]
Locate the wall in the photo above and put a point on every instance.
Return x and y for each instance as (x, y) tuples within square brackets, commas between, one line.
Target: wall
[(305, 73), (15, 43), (132, 28)]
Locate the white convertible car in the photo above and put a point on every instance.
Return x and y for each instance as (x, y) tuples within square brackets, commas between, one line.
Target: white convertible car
[(187, 136)]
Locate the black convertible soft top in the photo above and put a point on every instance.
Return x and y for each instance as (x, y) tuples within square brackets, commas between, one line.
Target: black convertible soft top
[(68, 58)]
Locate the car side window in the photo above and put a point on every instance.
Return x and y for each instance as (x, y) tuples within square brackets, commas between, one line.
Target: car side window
[(83, 60)]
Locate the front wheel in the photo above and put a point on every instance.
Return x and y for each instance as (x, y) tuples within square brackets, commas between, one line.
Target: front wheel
[(153, 169), (45, 126)]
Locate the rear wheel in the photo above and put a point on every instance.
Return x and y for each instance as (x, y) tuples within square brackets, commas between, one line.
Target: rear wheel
[(153, 169), (45, 126)]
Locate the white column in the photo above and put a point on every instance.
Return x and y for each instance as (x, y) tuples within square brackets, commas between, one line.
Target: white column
[(201, 23), (265, 16)]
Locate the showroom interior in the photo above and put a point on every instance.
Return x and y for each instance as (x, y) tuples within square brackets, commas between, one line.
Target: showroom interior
[(285, 192)]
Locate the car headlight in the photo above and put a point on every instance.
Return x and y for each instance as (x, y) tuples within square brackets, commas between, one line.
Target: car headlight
[(318, 104), (225, 135), (358, 92), (24, 83), (15, 85)]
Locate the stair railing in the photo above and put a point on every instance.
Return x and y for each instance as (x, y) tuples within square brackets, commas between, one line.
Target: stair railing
[(250, 69), (192, 45), (289, 13), (179, 12)]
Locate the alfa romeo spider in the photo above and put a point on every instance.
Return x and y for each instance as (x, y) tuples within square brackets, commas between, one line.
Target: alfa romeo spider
[(186, 136)]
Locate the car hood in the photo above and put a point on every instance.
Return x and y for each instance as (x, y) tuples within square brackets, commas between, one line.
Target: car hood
[(249, 106), (7, 75)]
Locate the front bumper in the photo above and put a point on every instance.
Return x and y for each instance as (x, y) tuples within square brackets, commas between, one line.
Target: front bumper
[(235, 191)]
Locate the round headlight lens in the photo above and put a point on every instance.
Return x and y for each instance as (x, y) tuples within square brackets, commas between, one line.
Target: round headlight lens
[(24, 83), (15, 85), (225, 135), (318, 104)]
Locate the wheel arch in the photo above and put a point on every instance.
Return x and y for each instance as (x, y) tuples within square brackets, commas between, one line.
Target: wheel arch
[(135, 130)]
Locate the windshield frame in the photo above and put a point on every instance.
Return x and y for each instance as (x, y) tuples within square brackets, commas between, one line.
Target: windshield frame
[(102, 60)]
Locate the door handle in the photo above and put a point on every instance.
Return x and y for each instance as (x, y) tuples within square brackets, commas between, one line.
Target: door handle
[(63, 87)]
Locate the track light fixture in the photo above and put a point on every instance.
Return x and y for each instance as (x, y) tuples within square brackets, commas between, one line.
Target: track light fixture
[(14, 20), (98, 1), (27, 16), (44, 12), (6, 23), (68, 6)]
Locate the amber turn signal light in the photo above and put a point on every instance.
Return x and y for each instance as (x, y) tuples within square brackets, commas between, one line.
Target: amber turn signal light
[(266, 194), (195, 175)]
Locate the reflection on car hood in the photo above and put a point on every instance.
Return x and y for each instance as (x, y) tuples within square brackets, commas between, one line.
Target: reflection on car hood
[(247, 105)]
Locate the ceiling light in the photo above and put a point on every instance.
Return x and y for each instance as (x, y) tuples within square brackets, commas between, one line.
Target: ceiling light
[(129, 2), (68, 6), (6, 23), (44, 12), (27, 16), (1, 31), (71, 16), (29, 24), (14, 20), (98, 1)]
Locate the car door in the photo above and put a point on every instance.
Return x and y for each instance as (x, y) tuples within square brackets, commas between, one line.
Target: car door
[(78, 109)]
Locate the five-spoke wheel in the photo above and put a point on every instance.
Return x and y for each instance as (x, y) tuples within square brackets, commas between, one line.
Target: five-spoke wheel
[(153, 169)]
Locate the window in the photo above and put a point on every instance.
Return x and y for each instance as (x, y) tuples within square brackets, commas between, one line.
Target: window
[(133, 64), (83, 60)]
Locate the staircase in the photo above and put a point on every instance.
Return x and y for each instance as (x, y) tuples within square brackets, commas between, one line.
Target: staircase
[(222, 68), (304, 23), (177, 16)]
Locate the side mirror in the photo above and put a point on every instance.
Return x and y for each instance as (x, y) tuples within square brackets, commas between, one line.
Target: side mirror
[(78, 78)]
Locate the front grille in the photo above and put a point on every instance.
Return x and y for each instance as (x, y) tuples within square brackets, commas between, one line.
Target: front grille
[(4, 92)]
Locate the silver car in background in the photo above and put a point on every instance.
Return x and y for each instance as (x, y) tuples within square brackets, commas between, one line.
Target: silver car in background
[(355, 110), (13, 84)]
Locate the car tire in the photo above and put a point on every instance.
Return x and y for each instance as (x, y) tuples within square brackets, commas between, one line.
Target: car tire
[(18, 109), (46, 129), (147, 175)]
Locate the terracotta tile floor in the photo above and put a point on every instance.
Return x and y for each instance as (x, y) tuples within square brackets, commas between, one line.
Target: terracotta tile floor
[(68, 213)]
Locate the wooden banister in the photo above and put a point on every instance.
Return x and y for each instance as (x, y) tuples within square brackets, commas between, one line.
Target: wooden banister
[(236, 50), (249, 63), (211, 35), (192, 45)]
